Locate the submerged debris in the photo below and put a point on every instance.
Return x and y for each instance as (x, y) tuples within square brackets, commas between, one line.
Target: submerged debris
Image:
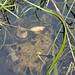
[(28, 54), (21, 32), (37, 29), (12, 54)]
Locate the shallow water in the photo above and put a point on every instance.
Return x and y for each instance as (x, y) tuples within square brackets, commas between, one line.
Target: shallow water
[(19, 56)]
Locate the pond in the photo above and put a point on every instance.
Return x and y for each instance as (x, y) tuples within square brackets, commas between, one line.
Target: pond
[(25, 43)]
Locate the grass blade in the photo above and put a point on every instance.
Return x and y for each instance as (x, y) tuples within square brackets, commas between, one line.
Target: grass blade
[(57, 57)]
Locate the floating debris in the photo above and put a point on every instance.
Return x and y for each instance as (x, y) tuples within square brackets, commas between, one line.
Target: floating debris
[(37, 29), (21, 32)]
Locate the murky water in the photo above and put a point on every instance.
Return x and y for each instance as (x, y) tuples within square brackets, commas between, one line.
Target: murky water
[(25, 47), (24, 50)]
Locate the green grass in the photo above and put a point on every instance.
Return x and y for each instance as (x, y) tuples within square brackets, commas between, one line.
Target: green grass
[(5, 6)]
